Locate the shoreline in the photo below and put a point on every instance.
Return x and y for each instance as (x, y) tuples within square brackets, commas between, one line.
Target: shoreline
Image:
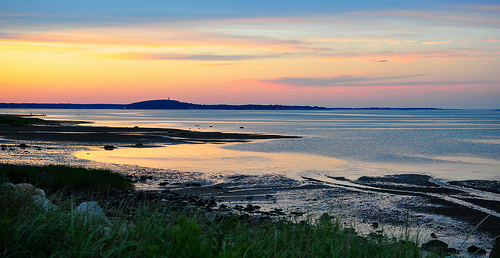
[(414, 199), (71, 131)]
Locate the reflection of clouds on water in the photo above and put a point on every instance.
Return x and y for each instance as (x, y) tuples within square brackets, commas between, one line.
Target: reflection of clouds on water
[(485, 141), (213, 159), (246, 158)]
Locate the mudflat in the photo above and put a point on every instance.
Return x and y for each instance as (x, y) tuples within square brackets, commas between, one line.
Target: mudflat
[(45, 130)]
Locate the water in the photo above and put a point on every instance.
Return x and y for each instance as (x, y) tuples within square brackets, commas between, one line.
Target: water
[(446, 144)]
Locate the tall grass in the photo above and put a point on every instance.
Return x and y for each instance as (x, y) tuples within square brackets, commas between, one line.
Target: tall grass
[(65, 177), (156, 230)]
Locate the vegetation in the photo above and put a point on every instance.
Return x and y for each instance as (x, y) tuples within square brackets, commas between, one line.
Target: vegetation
[(161, 228), (19, 120), (58, 177), (155, 229), (158, 232)]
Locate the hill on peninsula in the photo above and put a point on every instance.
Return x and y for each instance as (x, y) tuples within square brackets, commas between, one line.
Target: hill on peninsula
[(157, 104)]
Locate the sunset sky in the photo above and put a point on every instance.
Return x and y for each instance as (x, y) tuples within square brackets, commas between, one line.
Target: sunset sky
[(424, 53)]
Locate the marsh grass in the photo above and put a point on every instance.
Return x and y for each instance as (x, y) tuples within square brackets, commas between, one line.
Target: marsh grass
[(65, 177), (16, 120)]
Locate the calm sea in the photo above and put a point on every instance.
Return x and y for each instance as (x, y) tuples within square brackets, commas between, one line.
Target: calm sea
[(446, 144)]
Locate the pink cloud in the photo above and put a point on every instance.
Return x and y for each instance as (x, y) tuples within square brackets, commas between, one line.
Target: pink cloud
[(436, 42)]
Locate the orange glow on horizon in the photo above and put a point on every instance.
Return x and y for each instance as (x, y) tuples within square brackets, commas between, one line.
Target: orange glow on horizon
[(219, 62)]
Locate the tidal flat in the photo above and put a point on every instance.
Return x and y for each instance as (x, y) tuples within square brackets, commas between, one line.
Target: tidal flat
[(449, 210)]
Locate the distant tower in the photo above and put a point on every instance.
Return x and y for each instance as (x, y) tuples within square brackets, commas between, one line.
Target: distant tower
[(168, 98)]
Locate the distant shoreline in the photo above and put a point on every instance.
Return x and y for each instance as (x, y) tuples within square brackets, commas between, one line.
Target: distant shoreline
[(174, 104)]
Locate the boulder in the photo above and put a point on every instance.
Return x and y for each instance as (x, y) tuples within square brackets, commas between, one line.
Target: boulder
[(44, 204), (109, 147), (29, 189), (436, 246), (475, 249), (45, 178), (9, 186), (91, 214)]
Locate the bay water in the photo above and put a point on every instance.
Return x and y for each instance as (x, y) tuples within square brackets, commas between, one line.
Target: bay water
[(445, 144)]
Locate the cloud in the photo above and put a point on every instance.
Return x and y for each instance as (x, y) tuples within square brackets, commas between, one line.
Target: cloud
[(484, 18), (198, 57), (348, 80), (436, 42), (380, 61), (340, 80)]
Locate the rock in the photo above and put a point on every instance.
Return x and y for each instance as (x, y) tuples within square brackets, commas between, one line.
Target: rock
[(325, 218), (244, 217), (427, 254), (25, 188), (211, 216), (251, 208), (297, 213), (92, 214), (451, 251), (436, 246), (475, 249), (44, 204), (434, 235), (403, 242), (109, 147), (22, 145), (375, 225), (374, 235), (45, 178), (349, 231), (9, 186)]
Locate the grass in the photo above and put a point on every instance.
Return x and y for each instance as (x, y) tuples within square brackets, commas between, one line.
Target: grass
[(19, 120), (161, 229), (160, 232), (64, 177)]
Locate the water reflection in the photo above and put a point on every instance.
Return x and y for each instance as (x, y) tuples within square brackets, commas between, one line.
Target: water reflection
[(211, 158)]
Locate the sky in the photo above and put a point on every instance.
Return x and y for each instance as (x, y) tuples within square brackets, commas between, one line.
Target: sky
[(387, 53)]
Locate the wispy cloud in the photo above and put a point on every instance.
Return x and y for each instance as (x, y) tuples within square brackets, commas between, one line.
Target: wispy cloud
[(340, 80), (349, 80), (200, 57), (436, 42), (464, 17)]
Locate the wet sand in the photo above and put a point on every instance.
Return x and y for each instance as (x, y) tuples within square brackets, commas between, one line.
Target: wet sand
[(445, 208), (67, 131)]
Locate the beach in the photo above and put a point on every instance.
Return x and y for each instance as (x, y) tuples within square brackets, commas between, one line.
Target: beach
[(449, 209)]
